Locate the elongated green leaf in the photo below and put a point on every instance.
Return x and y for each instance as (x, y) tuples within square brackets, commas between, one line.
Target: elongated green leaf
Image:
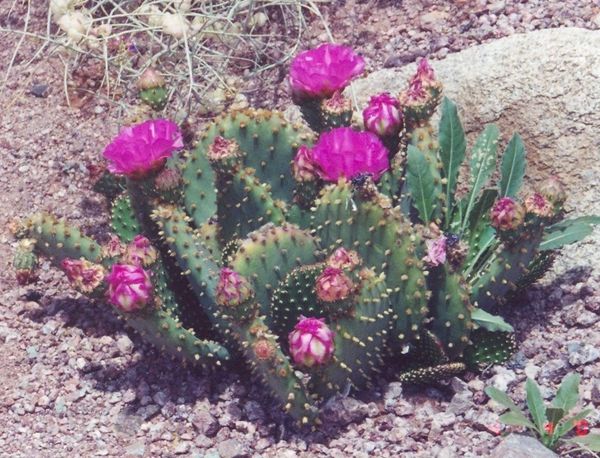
[(501, 398), (535, 403), (590, 442), (515, 418), (513, 167), (453, 145), (568, 393), (482, 208), (483, 163), (490, 322), (554, 415), (568, 231), (420, 183), (567, 424)]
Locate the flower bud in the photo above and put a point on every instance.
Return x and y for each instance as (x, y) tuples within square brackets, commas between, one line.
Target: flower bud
[(114, 248), (507, 214), (303, 166), (311, 342), (553, 190), (140, 252), (83, 275), (343, 259), (150, 79), (232, 288), (383, 116), (333, 285), (224, 153), (436, 251), (539, 205), (129, 287), (336, 111)]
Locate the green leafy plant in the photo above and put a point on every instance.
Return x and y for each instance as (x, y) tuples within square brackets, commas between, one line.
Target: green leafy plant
[(552, 424), (335, 256)]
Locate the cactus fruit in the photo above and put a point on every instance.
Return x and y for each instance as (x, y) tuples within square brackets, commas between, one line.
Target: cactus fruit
[(317, 262)]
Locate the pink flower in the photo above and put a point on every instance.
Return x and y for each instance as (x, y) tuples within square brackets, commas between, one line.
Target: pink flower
[(129, 287), (143, 148), (319, 72), (383, 116), (140, 252), (83, 275), (344, 152), (507, 214), (223, 149), (311, 342), (436, 251), (343, 259), (232, 288), (303, 166), (333, 285), (114, 248)]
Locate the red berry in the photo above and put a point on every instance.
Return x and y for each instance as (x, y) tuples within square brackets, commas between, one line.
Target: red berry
[(582, 428), (549, 428)]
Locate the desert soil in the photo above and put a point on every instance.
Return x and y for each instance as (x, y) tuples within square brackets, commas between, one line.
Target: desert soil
[(76, 382)]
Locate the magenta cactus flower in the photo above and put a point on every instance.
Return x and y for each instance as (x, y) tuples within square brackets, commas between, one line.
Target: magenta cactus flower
[(129, 287), (507, 214), (343, 259), (436, 251), (143, 148), (383, 116), (333, 285), (319, 72), (539, 205), (344, 152), (140, 252), (311, 342), (303, 166), (83, 275), (232, 289)]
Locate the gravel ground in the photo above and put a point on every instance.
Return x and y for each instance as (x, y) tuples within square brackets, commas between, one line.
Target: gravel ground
[(76, 382)]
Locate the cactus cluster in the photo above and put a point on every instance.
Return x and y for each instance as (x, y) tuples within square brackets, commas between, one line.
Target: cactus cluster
[(318, 257)]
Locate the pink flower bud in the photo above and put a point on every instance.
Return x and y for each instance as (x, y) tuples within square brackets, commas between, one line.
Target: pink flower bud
[(436, 251), (343, 259), (114, 248), (311, 342), (83, 275), (333, 285), (264, 349), (143, 148), (345, 152), (129, 287), (140, 252), (232, 288), (539, 205), (507, 214), (319, 72), (383, 116), (303, 166), (150, 79), (553, 190), (168, 180)]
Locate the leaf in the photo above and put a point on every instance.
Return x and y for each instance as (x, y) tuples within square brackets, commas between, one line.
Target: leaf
[(591, 442), (554, 415), (513, 167), (490, 322), (483, 163), (501, 398), (420, 183), (567, 424), (535, 403), (568, 393), (482, 208), (453, 145), (515, 418), (568, 231)]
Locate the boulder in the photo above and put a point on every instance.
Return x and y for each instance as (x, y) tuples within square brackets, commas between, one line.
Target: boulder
[(543, 84), (519, 446)]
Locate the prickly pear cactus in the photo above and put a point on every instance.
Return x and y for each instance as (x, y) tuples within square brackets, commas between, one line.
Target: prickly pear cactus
[(318, 257)]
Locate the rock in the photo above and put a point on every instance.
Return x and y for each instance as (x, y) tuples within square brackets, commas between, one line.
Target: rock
[(459, 386), (518, 446), (542, 84), (596, 392), (503, 378), (433, 20), (40, 90), (551, 369), (580, 354), (254, 411), (460, 403), (182, 448), (137, 448), (497, 7), (391, 395), (532, 371), (205, 423), (232, 448), (344, 411), (125, 345)]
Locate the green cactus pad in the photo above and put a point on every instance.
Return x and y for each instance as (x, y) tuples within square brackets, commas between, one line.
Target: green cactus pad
[(489, 348), (123, 220), (384, 242), (361, 338), (245, 204), (269, 254), (432, 374)]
